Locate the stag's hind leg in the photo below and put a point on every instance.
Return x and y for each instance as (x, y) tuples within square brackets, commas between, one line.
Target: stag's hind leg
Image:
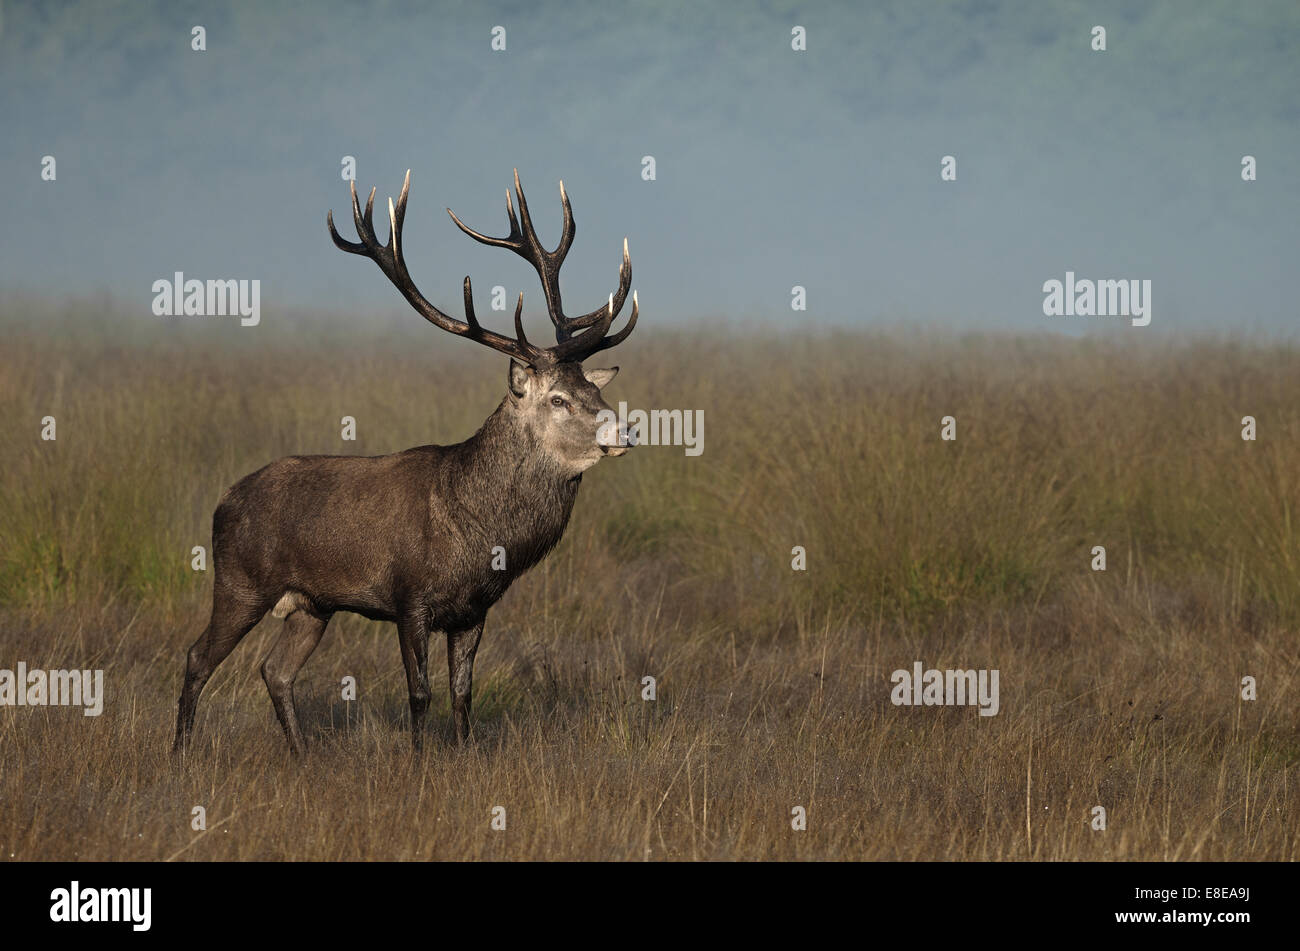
[(302, 632), (232, 618)]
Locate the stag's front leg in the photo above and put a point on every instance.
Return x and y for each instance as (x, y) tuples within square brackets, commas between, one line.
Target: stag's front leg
[(461, 648), (413, 634)]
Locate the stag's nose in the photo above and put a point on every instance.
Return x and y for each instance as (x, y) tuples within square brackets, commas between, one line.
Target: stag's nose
[(610, 437), (616, 442), (614, 439)]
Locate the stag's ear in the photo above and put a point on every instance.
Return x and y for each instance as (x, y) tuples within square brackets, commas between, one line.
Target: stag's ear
[(599, 377), (519, 377)]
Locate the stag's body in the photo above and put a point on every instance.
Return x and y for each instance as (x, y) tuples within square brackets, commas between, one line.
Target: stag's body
[(429, 538), (457, 504)]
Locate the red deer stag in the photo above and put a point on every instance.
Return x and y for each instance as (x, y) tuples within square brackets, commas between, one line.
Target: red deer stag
[(409, 537)]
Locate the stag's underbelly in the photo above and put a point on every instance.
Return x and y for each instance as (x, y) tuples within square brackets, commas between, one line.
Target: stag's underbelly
[(442, 613), (295, 599)]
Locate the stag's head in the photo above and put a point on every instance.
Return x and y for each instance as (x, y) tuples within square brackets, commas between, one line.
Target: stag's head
[(562, 406), (550, 393)]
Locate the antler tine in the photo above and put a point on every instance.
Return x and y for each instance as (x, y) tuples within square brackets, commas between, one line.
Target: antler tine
[(606, 342), (352, 247), (368, 234), (623, 334), (618, 298), (511, 241), (528, 233), (566, 235), (469, 304), (593, 340), (365, 224), (510, 213), (390, 259), (395, 219), (519, 323)]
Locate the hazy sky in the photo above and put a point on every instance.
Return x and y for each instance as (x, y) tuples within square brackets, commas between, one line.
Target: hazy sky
[(774, 167)]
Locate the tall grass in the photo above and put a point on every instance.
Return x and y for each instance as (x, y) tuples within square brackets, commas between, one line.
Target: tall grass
[(1120, 688)]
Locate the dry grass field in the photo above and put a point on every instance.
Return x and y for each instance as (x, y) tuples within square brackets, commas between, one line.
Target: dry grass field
[(1118, 688)]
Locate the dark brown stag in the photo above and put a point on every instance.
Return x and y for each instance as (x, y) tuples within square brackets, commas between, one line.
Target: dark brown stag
[(410, 537)]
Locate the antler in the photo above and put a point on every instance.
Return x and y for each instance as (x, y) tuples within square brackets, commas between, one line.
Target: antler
[(524, 243), (390, 261), (568, 346)]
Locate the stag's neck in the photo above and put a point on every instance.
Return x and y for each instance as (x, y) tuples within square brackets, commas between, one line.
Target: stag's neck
[(513, 493)]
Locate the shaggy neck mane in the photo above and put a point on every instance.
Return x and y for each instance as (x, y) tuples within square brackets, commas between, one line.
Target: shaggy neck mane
[(513, 491)]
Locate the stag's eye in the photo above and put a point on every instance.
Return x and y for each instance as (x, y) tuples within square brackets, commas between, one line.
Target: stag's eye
[(558, 401)]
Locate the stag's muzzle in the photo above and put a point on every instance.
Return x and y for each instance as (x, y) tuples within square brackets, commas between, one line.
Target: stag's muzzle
[(616, 440)]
